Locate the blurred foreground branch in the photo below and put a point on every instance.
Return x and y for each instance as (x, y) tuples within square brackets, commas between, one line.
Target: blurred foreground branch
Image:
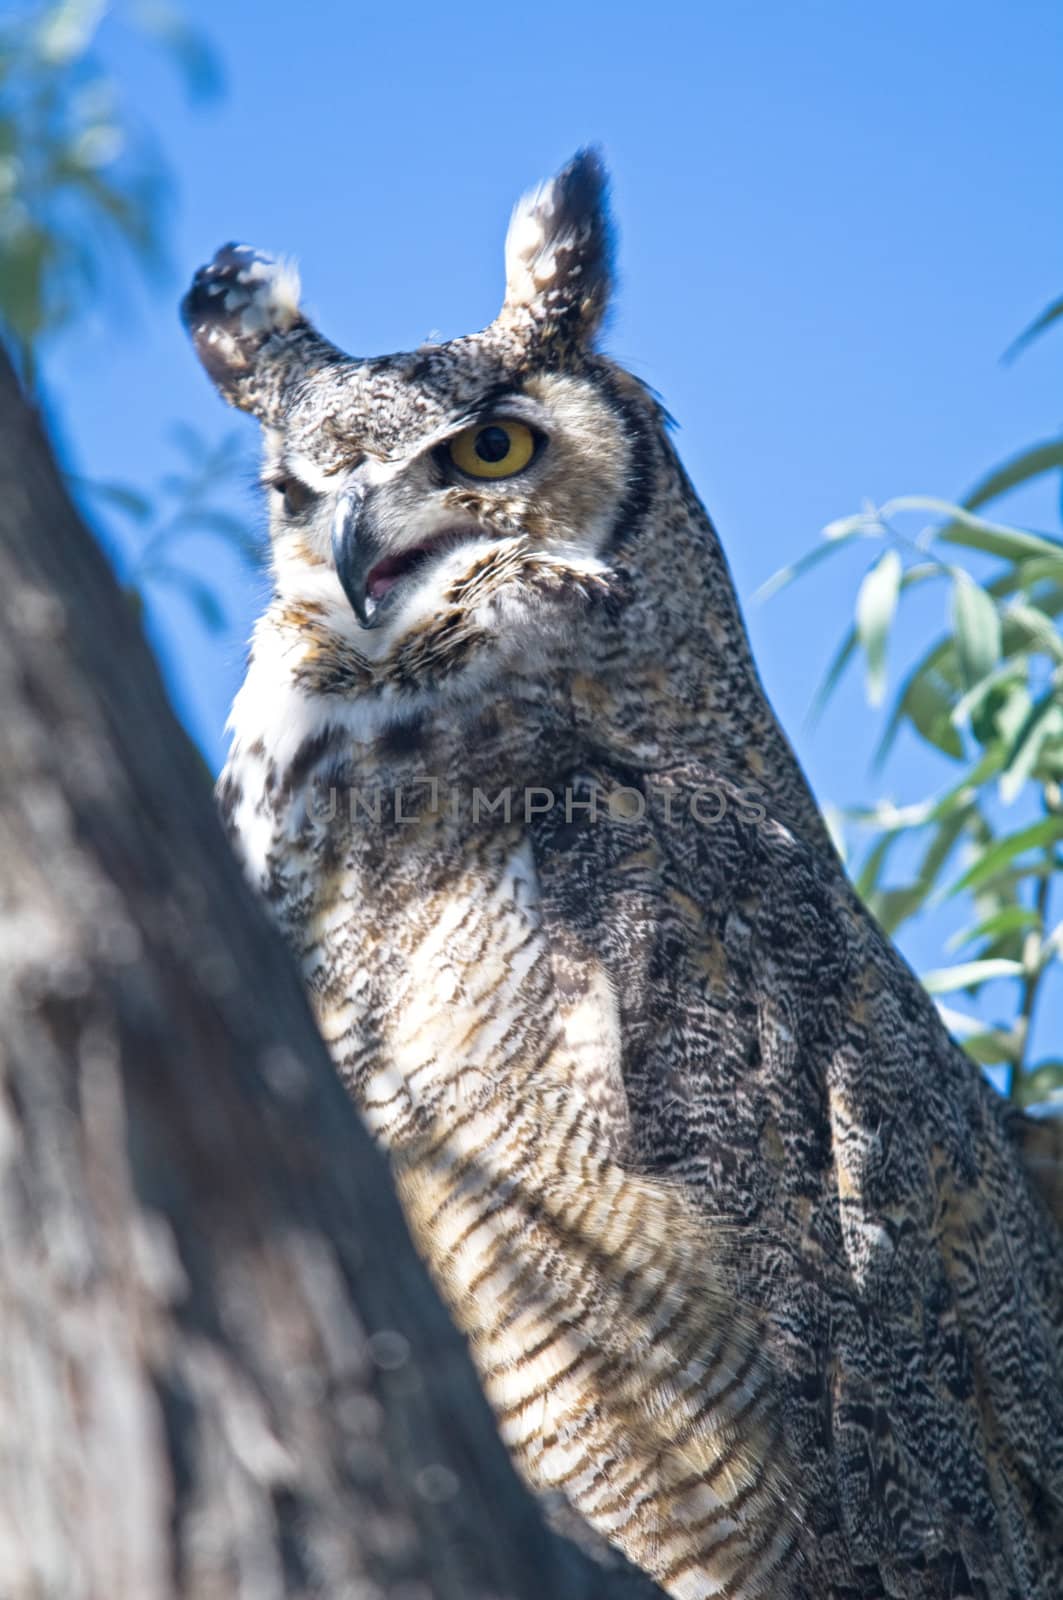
[(223, 1371)]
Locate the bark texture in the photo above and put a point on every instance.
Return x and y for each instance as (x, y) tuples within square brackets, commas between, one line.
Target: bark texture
[(223, 1371)]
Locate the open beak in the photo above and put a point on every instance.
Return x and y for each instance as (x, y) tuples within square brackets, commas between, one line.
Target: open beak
[(355, 553), (368, 569)]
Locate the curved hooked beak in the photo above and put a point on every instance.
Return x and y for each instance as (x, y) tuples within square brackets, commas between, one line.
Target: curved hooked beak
[(354, 550)]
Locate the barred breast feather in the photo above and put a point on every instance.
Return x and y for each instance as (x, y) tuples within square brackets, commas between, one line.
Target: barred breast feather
[(603, 1310)]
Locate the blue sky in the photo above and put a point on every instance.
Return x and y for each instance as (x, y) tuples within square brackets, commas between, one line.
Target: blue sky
[(833, 217)]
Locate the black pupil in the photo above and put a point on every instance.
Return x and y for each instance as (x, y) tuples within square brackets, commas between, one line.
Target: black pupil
[(492, 444)]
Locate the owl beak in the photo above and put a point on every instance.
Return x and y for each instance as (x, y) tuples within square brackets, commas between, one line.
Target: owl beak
[(354, 551)]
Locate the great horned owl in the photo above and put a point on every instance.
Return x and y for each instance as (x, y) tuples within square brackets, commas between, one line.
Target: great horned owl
[(742, 1244)]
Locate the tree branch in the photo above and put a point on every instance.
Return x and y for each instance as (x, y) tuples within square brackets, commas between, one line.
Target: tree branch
[(223, 1370)]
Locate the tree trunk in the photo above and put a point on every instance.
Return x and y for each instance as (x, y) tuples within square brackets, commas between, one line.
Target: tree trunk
[(223, 1370)]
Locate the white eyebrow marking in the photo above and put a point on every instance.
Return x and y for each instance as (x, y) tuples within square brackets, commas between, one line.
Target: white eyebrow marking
[(307, 471)]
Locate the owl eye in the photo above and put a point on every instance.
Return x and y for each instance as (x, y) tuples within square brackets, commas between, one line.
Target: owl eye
[(493, 449), (297, 496)]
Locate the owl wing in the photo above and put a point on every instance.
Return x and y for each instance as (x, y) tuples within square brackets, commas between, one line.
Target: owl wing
[(785, 1066)]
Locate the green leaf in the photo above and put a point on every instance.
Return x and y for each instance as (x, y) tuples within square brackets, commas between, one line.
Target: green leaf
[(962, 795), (997, 856), (871, 871), (1043, 1083), (1051, 313), (1040, 725), (1031, 574), (1052, 947), (970, 703), (1009, 879), (927, 701), (845, 651), (1046, 457), (1029, 625), (832, 677), (976, 625), (992, 1047), (942, 843), (892, 818), (124, 498), (876, 607), (64, 32), (892, 907), (192, 53), (191, 443), (27, 255), (1005, 714), (995, 538), (198, 594), (209, 519), (835, 537), (969, 975), (836, 828), (959, 1024), (1011, 919)]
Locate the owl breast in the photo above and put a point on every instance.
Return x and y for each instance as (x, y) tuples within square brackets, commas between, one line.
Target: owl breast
[(484, 1051)]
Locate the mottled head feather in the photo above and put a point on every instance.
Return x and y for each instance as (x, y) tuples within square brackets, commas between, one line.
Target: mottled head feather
[(243, 314), (559, 254), (257, 345)]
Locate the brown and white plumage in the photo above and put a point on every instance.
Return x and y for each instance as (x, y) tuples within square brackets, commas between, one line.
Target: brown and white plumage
[(742, 1243)]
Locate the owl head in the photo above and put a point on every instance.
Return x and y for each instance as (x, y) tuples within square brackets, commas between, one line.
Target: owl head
[(460, 507)]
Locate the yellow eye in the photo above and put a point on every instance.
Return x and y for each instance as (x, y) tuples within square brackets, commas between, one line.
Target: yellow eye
[(493, 450)]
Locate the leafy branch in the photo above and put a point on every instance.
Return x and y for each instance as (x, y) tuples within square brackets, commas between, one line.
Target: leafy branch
[(988, 696), (79, 180), (186, 503), (81, 183)]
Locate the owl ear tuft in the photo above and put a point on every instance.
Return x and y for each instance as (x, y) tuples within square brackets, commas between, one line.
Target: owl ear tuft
[(243, 315), (559, 255)]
